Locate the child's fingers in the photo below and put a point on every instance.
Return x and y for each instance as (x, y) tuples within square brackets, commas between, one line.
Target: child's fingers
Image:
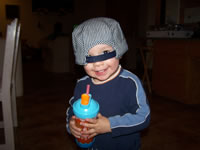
[(76, 134), (73, 128), (75, 131), (99, 115), (88, 132), (87, 124), (92, 121), (92, 135)]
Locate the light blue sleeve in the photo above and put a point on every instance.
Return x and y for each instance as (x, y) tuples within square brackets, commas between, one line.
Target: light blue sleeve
[(132, 122)]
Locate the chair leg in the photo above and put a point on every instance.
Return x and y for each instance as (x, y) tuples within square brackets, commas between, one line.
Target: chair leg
[(8, 126), (14, 106), (148, 81), (146, 75)]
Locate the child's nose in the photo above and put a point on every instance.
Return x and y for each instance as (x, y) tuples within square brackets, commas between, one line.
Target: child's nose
[(98, 63)]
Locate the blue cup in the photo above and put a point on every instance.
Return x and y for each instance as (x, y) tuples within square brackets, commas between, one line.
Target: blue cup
[(84, 108)]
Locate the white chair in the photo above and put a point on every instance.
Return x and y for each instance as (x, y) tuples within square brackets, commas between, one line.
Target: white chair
[(7, 84), (13, 80)]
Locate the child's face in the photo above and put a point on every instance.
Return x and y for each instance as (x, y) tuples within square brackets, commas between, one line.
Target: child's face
[(102, 70)]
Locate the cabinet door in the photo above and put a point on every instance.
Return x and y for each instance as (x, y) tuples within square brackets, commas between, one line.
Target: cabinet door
[(169, 71), (193, 82)]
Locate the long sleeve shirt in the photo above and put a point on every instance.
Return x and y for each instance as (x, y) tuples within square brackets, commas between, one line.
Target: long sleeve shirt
[(123, 101)]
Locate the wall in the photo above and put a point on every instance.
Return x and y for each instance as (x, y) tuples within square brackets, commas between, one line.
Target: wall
[(37, 25), (191, 11), (134, 16), (172, 11), (147, 13)]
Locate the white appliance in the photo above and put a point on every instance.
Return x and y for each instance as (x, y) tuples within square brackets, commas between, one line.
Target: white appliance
[(169, 34)]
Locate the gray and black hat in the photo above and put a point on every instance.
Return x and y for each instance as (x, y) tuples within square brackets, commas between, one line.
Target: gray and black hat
[(97, 31)]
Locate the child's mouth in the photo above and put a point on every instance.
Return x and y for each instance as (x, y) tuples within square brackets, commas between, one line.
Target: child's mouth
[(100, 72)]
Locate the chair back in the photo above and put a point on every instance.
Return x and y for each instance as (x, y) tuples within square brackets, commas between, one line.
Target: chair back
[(9, 68)]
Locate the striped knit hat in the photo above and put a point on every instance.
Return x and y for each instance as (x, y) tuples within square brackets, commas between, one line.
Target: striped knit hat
[(97, 31)]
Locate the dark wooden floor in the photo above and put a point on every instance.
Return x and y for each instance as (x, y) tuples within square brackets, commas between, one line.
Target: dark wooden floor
[(42, 112)]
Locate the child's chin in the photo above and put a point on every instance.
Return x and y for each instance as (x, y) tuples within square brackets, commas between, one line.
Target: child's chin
[(101, 79)]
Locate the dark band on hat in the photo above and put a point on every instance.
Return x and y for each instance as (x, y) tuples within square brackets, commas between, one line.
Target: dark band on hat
[(91, 59)]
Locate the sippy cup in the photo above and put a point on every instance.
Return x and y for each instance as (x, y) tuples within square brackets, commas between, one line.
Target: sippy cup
[(83, 108)]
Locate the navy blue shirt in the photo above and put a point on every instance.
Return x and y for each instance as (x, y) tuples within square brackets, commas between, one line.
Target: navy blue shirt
[(123, 101)]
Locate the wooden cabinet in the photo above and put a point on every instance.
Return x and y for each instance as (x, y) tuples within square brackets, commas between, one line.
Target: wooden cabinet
[(176, 70)]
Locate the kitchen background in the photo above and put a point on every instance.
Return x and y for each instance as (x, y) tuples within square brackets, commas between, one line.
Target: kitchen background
[(168, 27)]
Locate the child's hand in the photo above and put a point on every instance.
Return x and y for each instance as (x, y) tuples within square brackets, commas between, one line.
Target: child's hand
[(73, 128), (96, 126)]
